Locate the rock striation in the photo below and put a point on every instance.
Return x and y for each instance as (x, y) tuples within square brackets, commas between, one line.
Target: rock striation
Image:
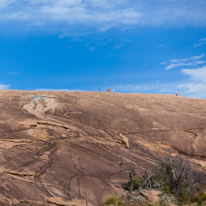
[(64, 150)]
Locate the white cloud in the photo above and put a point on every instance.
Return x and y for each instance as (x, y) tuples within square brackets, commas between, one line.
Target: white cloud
[(196, 74), (4, 86), (107, 27), (5, 3), (195, 82), (102, 15), (196, 86), (191, 61), (201, 42), (136, 88), (204, 39), (38, 23), (129, 87), (16, 16)]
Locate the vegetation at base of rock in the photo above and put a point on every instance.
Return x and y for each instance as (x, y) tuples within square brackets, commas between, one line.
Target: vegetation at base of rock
[(167, 199), (25, 201), (179, 182), (138, 199), (180, 179), (133, 184), (113, 200)]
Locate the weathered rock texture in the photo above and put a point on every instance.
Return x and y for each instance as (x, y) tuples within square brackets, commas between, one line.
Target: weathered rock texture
[(60, 150)]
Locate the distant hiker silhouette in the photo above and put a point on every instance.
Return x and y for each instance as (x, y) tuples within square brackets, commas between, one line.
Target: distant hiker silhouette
[(176, 93), (35, 98), (180, 93), (99, 89), (113, 90)]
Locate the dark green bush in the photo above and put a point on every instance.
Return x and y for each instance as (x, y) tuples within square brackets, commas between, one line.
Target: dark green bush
[(25, 201), (133, 185)]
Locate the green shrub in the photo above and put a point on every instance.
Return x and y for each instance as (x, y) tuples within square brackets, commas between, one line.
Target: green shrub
[(25, 201), (133, 185), (197, 197), (174, 176), (113, 200)]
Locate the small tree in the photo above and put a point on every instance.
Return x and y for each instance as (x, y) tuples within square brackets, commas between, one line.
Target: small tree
[(174, 171), (178, 174), (172, 174), (135, 177)]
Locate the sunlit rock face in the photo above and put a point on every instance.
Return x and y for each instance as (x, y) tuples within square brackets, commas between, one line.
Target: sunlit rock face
[(63, 149)]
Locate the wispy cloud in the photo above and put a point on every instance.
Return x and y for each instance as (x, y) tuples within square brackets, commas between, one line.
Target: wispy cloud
[(5, 3), (4, 86), (136, 88), (38, 23), (103, 14), (201, 42), (128, 87), (191, 61), (118, 46), (196, 86)]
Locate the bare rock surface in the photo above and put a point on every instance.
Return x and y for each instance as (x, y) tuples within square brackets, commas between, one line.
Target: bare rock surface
[(59, 201), (63, 148)]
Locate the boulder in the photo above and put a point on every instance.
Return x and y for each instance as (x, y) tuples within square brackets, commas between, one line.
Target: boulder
[(63, 136), (123, 140), (44, 158), (60, 201)]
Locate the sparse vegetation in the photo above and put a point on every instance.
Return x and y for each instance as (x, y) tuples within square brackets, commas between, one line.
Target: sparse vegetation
[(113, 200), (174, 176), (138, 199), (167, 199), (137, 181), (97, 138), (180, 179), (100, 139), (25, 201)]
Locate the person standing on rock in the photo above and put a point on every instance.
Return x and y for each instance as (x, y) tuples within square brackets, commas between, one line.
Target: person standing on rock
[(35, 98), (113, 90), (99, 89), (180, 93), (42, 99), (176, 93)]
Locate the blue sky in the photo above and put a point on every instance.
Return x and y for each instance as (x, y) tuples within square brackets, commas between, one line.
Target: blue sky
[(150, 46)]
